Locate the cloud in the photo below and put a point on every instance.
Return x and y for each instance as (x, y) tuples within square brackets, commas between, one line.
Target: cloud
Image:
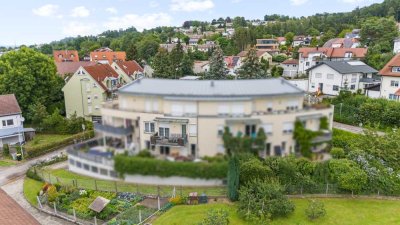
[(153, 4), (140, 22), (112, 10), (75, 28), (46, 10), (298, 2), (191, 5), (80, 11)]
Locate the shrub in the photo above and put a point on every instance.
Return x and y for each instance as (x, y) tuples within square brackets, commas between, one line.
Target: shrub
[(147, 166), (52, 193), (337, 153), (145, 153), (315, 210), (6, 150), (177, 200), (216, 217), (31, 173), (233, 178)]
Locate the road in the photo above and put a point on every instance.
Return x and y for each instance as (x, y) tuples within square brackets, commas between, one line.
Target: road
[(8, 174), (352, 129)]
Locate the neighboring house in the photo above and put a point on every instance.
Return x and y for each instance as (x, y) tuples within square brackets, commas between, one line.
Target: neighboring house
[(373, 91), (201, 67), (309, 57), (342, 43), (103, 49), (193, 41), (128, 70), (267, 44), (260, 54), (390, 88), (281, 40), (396, 47), (11, 121), (66, 56), (233, 63), (330, 77), (69, 68), (205, 47), (107, 57), (301, 40), (169, 47), (290, 68), (89, 88), (188, 117), (356, 33)]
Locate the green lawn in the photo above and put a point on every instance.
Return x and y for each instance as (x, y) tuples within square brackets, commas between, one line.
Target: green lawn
[(43, 139), (66, 177), (5, 163), (339, 211), (31, 188)]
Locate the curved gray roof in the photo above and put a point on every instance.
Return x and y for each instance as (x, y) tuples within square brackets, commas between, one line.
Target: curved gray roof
[(209, 89)]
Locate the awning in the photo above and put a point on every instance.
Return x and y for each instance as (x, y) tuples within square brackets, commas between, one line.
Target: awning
[(310, 117), (171, 120), (247, 121)]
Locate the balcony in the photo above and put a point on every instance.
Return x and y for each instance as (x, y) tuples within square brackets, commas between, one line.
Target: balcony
[(121, 131), (171, 140), (324, 137)]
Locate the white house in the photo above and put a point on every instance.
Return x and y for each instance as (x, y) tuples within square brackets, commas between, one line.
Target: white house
[(290, 68), (373, 91), (330, 77), (11, 121), (396, 47), (390, 73), (201, 67)]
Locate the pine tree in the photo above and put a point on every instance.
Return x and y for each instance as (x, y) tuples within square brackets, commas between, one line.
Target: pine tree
[(162, 64), (233, 178), (176, 57), (251, 67), (218, 70)]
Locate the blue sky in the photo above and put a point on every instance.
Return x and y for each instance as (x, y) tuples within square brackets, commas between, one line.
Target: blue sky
[(42, 21)]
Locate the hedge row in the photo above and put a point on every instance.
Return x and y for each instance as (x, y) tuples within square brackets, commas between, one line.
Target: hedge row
[(147, 166), (35, 151)]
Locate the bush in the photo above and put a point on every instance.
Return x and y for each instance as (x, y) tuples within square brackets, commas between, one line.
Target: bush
[(177, 200), (338, 153), (52, 193), (6, 150), (147, 166), (216, 217), (145, 153), (315, 210), (35, 151), (31, 173)]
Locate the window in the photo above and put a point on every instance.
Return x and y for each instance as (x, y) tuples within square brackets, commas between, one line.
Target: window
[(147, 144), (354, 78), (78, 164), (113, 173), (312, 85), (329, 76), (287, 127), (164, 150), (307, 63), (393, 97), (89, 99), (163, 131), (318, 75), (177, 109), (8, 122), (335, 88), (396, 69), (352, 87), (269, 107), (193, 149), (95, 169), (85, 166), (71, 161), (149, 127), (223, 109), (348, 54), (103, 172), (251, 130), (191, 109), (267, 128), (394, 83), (238, 109), (221, 130), (268, 149), (192, 129), (292, 105)]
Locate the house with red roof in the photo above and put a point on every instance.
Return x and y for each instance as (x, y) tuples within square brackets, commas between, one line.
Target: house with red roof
[(309, 57), (89, 87), (390, 73), (107, 56), (128, 70), (66, 56), (11, 121)]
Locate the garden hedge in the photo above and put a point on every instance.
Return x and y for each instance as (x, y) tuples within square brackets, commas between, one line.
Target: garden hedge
[(35, 151), (155, 167)]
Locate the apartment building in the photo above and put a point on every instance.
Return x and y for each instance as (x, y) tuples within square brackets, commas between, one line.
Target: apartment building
[(267, 44), (188, 117)]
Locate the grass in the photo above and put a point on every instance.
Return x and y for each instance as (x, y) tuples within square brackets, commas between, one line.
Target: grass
[(43, 139), (5, 163), (31, 188), (65, 177), (339, 212)]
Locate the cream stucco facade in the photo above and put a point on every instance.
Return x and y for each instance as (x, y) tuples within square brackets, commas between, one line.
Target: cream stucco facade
[(192, 125)]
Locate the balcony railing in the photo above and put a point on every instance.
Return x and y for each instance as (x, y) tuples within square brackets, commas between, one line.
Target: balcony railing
[(324, 137), (113, 130), (172, 140)]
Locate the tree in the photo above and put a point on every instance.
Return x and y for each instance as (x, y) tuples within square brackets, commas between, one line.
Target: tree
[(315, 209), (289, 38), (353, 180), (233, 178), (276, 71), (218, 70), (251, 67), (32, 77), (379, 31), (37, 113), (162, 64), (216, 217), (253, 169), (263, 199), (148, 47)]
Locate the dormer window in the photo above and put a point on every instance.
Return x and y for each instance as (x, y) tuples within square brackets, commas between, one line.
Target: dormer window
[(348, 55), (72, 56), (60, 56), (396, 69)]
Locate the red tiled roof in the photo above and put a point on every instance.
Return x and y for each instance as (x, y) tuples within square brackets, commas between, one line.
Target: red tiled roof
[(110, 56), (130, 67), (335, 52), (291, 61), (9, 105), (100, 72), (66, 55), (64, 68), (387, 69), (12, 213)]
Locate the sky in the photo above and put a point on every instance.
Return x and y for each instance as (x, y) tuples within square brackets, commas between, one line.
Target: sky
[(43, 21)]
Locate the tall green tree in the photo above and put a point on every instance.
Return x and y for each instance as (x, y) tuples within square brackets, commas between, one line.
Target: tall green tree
[(289, 38), (379, 31), (32, 77), (233, 178), (218, 70), (251, 67), (162, 64)]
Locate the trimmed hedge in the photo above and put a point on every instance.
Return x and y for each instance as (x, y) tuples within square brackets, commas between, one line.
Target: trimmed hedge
[(147, 166), (39, 150)]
